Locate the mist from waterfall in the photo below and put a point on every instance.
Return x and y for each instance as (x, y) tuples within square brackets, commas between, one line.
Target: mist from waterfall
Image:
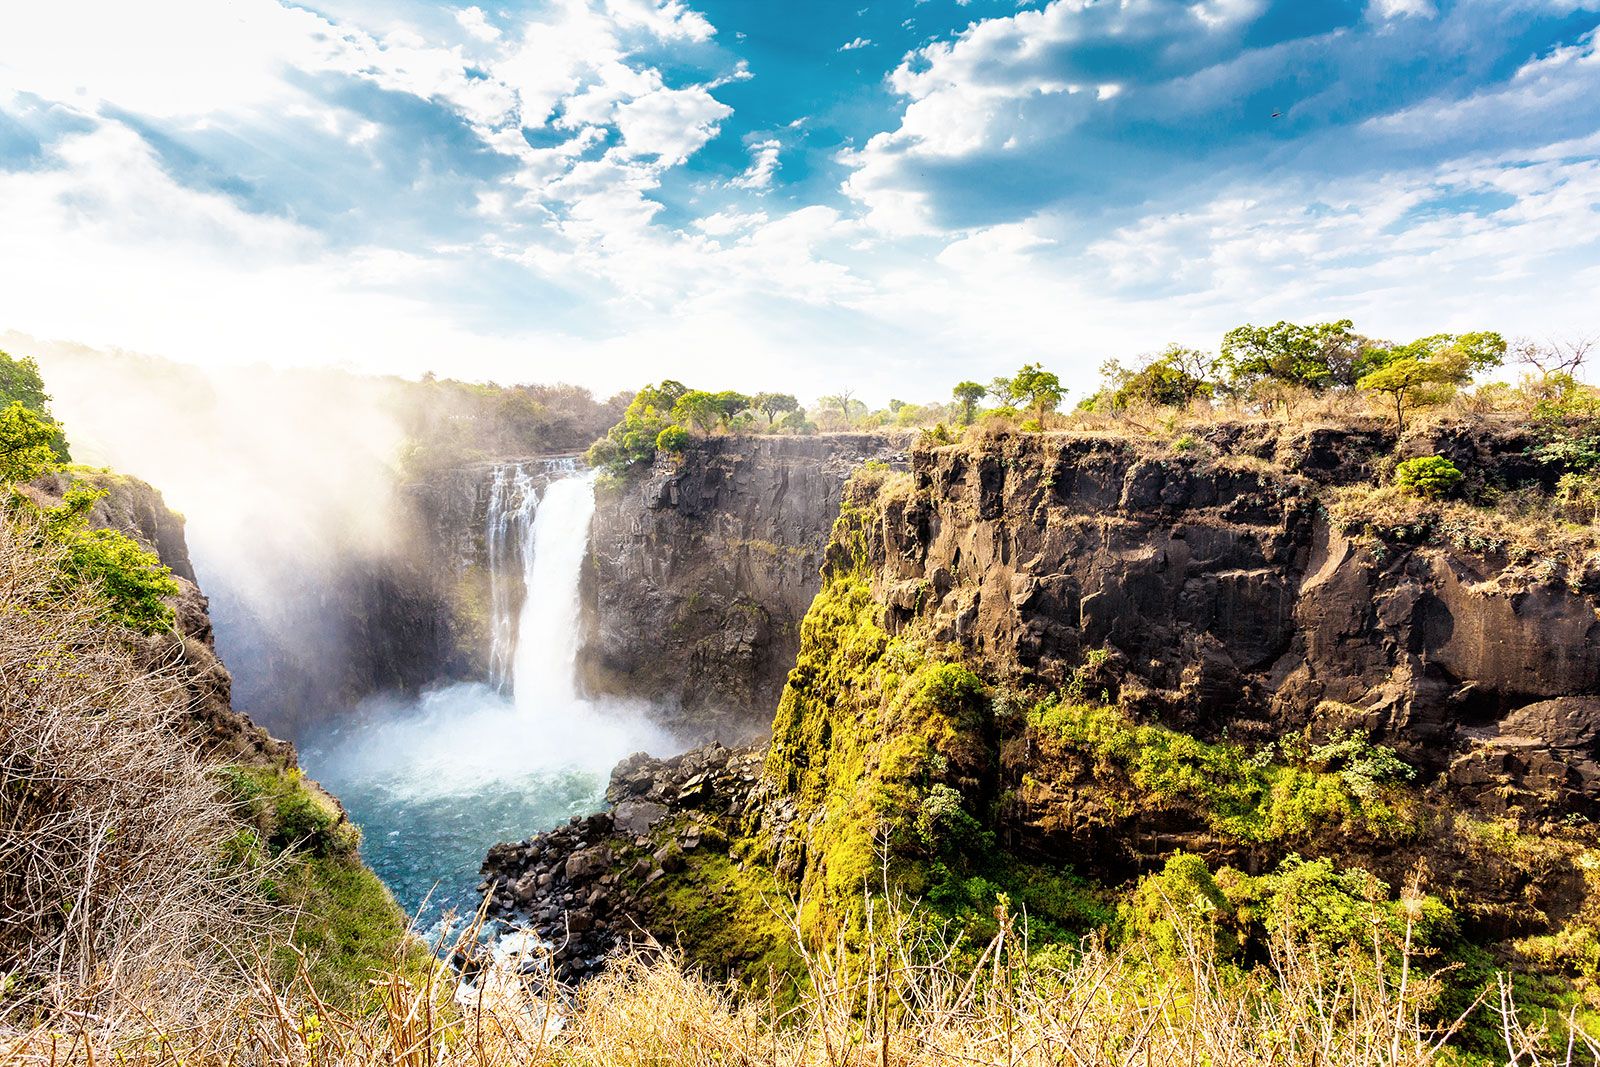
[(434, 781)]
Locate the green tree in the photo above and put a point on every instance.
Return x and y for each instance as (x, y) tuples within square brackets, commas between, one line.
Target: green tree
[(772, 405), (672, 439), (1466, 354), (1315, 357), (633, 439), (1402, 381), (1174, 378), (968, 394), (20, 382), (729, 404), (1032, 387), (26, 444), (699, 409)]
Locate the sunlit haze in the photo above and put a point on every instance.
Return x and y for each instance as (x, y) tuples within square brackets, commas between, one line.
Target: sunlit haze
[(888, 196)]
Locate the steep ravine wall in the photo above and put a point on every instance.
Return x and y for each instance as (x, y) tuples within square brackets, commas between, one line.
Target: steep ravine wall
[(1226, 621), (701, 568), (1225, 597)]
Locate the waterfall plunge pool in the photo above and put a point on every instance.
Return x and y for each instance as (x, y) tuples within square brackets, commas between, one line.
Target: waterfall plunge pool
[(433, 782)]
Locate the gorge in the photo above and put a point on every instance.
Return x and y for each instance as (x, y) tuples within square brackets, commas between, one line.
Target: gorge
[(1032, 670)]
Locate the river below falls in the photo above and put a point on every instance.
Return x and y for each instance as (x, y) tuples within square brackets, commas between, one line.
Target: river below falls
[(433, 783)]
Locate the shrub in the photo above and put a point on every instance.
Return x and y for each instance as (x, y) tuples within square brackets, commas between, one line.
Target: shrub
[(116, 857), (26, 449), (135, 584), (1179, 907), (672, 439), (1428, 476), (1362, 765)]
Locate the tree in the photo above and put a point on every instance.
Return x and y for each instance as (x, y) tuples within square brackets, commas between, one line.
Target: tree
[(699, 409), (1170, 379), (774, 404), (21, 382), (968, 394), (1402, 380), (1441, 361), (633, 439), (1468, 353), (1562, 358), (1032, 387), (1315, 357), (729, 404), (26, 444)]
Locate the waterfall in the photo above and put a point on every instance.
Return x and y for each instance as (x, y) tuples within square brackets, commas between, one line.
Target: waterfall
[(536, 542), (435, 779)]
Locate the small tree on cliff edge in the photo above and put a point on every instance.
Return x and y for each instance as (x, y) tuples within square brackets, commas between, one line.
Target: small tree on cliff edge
[(1032, 387), (968, 394)]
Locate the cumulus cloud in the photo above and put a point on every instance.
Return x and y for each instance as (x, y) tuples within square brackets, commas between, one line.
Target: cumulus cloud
[(537, 195), (763, 165), (855, 43)]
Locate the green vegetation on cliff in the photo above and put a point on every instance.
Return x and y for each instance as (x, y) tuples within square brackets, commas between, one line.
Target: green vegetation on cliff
[(345, 923)]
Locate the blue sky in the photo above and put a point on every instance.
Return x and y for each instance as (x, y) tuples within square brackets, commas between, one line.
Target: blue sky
[(888, 196)]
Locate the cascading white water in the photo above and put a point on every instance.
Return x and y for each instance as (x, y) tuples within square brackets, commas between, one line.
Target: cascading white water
[(543, 680), (511, 537), (437, 779)]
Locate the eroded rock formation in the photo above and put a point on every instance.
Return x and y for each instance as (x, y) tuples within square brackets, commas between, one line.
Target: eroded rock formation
[(701, 569)]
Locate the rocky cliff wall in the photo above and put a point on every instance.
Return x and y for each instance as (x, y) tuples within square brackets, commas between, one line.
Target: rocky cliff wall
[(1223, 594), (701, 568), (1042, 665), (137, 509)]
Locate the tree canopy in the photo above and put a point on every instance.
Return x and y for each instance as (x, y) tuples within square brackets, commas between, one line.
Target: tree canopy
[(26, 444), (1032, 387), (20, 382)]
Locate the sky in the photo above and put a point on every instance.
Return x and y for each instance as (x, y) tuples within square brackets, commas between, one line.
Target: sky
[(804, 196)]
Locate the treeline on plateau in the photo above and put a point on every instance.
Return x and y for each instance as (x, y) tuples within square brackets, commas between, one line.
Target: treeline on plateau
[(1324, 369)]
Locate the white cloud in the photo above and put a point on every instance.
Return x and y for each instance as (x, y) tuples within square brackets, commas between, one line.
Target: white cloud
[(1393, 9), (671, 124), (763, 165), (475, 22), (858, 42)]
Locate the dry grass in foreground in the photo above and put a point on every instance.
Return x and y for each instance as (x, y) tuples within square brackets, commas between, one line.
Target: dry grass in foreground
[(905, 1002)]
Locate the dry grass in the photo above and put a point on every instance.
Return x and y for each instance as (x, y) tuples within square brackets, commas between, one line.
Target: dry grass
[(904, 1001), (115, 898)]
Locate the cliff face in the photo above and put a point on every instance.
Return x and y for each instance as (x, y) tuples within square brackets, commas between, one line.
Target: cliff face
[(701, 569), (1041, 665), (137, 509), (1222, 594)]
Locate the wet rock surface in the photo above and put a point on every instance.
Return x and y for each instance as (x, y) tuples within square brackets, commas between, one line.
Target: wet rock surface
[(701, 569), (593, 885)]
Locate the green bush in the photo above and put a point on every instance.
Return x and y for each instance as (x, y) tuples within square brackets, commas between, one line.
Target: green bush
[(136, 585), (672, 439), (1179, 905), (26, 443), (1428, 476), (21, 383)]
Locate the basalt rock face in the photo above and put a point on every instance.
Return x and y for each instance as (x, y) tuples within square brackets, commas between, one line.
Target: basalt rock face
[(1206, 590), (701, 569), (598, 883), (1223, 597)]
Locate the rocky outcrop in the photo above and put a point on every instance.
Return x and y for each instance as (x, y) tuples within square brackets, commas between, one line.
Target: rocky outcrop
[(600, 882), (701, 568), (189, 652), (1009, 634), (1221, 592)]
